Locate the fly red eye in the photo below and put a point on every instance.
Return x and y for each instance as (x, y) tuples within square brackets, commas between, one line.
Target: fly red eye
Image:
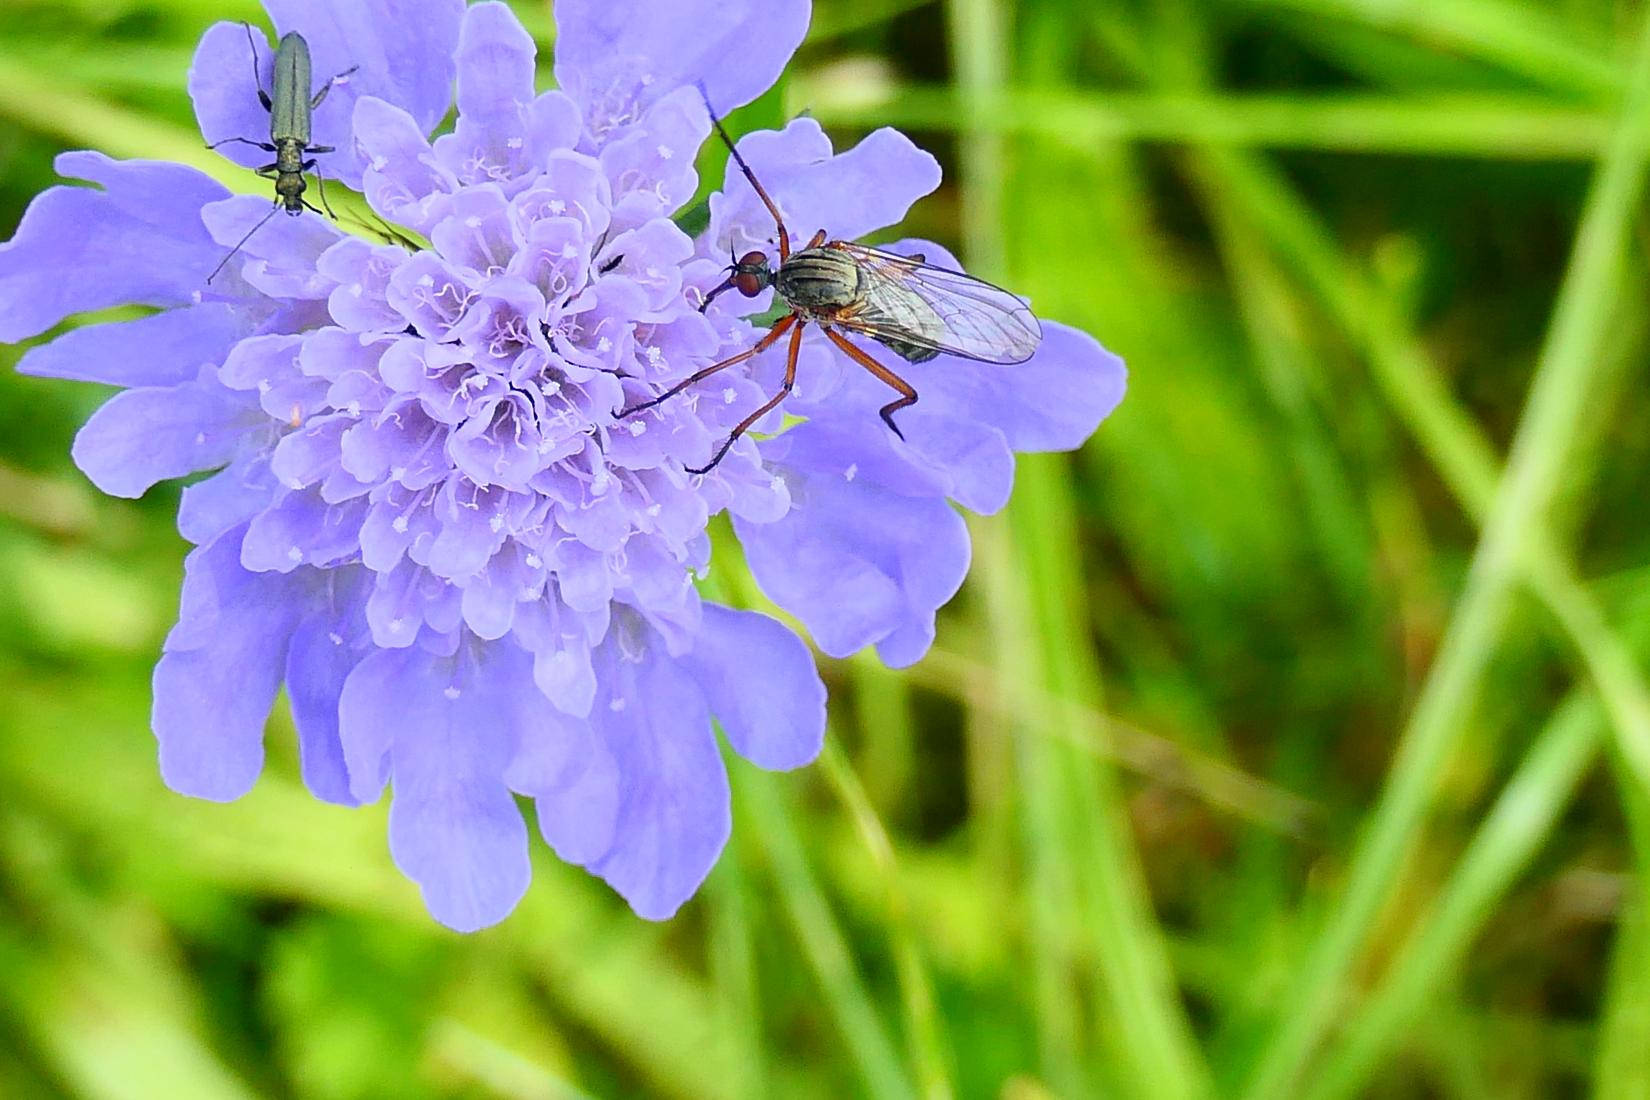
[(753, 259), (748, 284)]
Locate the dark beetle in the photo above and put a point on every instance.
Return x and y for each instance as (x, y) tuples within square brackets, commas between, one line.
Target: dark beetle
[(290, 109)]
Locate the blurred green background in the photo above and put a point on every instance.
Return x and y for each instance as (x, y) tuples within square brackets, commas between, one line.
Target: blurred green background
[(1292, 740)]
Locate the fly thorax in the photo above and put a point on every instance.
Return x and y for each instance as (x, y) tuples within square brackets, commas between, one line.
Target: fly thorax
[(819, 278)]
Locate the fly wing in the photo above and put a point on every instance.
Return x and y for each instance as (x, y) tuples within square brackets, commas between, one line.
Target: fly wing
[(913, 303)]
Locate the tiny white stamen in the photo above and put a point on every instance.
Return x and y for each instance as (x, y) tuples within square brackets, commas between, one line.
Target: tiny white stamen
[(294, 483), (295, 555), (729, 396), (534, 561), (398, 472), (200, 439), (514, 143), (451, 693), (604, 344), (666, 152), (637, 427), (473, 222), (568, 252), (526, 595), (353, 408), (357, 290), (558, 207), (616, 705), (335, 638), (776, 484), (654, 509), (851, 472), (551, 388), (380, 162), (263, 386), (397, 626), (426, 281), (399, 525), (496, 524)]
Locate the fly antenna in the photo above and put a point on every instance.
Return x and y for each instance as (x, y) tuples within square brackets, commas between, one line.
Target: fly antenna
[(738, 158), (232, 252)]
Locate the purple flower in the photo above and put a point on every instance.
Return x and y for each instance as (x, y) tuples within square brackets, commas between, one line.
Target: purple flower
[(427, 519)]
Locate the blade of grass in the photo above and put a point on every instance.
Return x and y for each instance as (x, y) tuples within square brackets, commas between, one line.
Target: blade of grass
[(1478, 125), (1521, 820), (1158, 758), (979, 56), (1553, 412), (733, 972), (822, 939), (1622, 1070), (1153, 1037), (1133, 962), (923, 1026), (1523, 39)]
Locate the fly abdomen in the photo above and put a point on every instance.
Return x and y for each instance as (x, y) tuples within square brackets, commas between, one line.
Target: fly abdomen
[(819, 278)]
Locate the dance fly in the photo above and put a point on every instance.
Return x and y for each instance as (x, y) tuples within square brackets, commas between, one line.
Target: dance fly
[(291, 107), (915, 309)]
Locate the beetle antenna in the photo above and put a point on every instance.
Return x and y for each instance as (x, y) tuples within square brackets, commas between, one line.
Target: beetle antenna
[(232, 252), (739, 159)]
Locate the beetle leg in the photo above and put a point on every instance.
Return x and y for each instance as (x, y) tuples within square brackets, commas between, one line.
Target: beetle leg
[(257, 80), (268, 171), (780, 328), (744, 425), (264, 145), (327, 87), (320, 186), (819, 239), (907, 392)]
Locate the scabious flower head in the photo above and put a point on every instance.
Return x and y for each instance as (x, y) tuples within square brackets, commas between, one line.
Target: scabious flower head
[(424, 516)]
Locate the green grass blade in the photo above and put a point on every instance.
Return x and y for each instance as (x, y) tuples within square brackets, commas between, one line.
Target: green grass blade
[(924, 1029), (1489, 125), (822, 940), (1553, 412), (1529, 40)]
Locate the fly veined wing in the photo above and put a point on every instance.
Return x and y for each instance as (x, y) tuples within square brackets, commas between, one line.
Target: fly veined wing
[(936, 308)]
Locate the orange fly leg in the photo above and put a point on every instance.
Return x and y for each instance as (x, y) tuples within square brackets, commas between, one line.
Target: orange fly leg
[(773, 402), (908, 393), (782, 326)]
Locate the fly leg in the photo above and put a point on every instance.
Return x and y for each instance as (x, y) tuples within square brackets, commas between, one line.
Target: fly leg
[(780, 328), (907, 392), (744, 425)]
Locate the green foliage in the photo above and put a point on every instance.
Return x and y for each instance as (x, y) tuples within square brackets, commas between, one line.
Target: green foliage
[(1290, 740)]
